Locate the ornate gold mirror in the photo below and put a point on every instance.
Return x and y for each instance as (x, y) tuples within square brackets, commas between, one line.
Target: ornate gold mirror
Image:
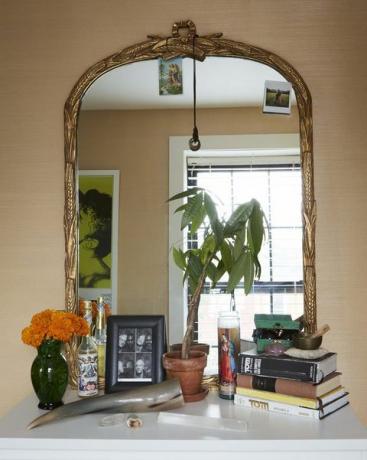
[(180, 44)]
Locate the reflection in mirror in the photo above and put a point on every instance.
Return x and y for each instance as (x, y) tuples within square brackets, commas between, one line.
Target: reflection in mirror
[(125, 126)]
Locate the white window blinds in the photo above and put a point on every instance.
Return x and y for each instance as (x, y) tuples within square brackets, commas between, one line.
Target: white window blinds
[(275, 181)]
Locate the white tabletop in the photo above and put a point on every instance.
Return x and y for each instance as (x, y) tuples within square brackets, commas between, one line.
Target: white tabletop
[(82, 437)]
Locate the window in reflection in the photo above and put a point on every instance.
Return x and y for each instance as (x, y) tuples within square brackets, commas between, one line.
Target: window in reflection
[(277, 186)]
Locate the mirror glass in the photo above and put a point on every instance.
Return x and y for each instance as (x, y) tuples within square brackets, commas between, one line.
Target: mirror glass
[(127, 127)]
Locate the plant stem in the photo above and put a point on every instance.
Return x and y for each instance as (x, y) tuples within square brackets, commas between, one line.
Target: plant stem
[(193, 309)]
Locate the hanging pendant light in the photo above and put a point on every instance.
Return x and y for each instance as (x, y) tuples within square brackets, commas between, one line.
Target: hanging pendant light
[(194, 142)]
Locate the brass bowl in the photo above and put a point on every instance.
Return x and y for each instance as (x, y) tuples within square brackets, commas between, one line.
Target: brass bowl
[(306, 342)]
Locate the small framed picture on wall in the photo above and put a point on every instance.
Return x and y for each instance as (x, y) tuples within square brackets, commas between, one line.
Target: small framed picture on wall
[(135, 345), (277, 97)]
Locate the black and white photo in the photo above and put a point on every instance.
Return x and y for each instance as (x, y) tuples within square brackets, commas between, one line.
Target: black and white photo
[(135, 354), (135, 345), (143, 366), (143, 340), (126, 366), (126, 340)]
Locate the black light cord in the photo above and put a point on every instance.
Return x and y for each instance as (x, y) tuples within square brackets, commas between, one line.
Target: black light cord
[(194, 142)]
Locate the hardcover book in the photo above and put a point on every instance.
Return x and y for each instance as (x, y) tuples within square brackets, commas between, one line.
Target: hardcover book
[(290, 387), (315, 403), (283, 366), (289, 409)]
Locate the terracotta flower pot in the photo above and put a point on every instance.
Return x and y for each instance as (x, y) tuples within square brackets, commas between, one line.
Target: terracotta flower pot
[(188, 371), (194, 347)]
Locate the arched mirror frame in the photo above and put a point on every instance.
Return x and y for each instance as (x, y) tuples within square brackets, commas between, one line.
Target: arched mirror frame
[(180, 43)]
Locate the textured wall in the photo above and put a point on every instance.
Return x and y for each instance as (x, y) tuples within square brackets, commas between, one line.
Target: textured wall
[(46, 45)]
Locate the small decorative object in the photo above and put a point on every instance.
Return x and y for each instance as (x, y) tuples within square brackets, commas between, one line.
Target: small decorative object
[(87, 359), (230, 247), (100, 337), (228, 349), (170, 77), (49, 372), (135, 345), (129, 420), (274, 328), (310, 341), (275, 348), (306, 354), (277, 97), (134, 421), (153, 398), (307, 342)]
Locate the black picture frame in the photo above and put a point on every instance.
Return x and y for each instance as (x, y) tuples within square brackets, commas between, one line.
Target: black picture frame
[(132, 361)]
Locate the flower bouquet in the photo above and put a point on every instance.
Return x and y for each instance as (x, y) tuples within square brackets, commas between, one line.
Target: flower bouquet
[(49, 371)]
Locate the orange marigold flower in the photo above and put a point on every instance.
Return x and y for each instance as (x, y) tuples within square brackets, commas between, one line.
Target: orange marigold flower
[(53, 324)]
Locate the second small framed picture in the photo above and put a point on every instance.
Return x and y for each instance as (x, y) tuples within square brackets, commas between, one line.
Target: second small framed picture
[(277, 97), (135, 345)]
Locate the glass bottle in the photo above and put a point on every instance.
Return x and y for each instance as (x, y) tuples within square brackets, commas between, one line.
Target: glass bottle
[(87, 359), (100, 338), (228, 349)]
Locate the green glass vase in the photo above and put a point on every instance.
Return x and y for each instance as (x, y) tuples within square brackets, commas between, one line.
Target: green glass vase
[(49, 374)]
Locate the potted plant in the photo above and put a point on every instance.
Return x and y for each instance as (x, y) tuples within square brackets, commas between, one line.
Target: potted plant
[(231, 247)]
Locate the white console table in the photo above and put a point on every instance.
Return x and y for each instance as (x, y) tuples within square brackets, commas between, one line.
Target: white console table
[(269, 436)]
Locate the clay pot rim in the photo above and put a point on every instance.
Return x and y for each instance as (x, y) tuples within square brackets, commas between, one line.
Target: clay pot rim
[(173, 360), (193, 347)]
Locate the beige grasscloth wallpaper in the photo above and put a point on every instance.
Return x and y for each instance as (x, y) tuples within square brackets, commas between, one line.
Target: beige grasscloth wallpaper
[(46, 45)]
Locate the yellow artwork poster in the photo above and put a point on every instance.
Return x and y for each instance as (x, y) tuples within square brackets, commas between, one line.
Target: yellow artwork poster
[(95, 231)]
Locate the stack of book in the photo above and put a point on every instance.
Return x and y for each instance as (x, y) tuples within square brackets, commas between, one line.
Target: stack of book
[(289, 385)]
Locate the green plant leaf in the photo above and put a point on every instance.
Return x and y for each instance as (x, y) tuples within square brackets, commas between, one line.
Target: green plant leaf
[(179, 258), (192, 211), (238, 218), (194, 269), (236, 273), (257, 267), (239, 243), (189, 192), (220, 270), (249, 239), (218, 232), (194, 266), (198, 219), (226, 253), (212, 271), (248, 272), (180, 208), (256, 224), (207, 247), (191, 283), (210, 208)]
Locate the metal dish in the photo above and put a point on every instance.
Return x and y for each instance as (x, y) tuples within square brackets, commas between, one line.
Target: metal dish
[(306, 342)]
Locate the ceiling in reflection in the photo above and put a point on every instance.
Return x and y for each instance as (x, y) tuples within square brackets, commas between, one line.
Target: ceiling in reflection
[(221, 82)]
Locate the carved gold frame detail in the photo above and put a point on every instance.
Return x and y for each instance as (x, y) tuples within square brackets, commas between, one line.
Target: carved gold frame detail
[(180, 44)]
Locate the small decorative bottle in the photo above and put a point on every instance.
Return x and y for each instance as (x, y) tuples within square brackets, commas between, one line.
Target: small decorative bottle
[(228, 349), (100, 338), (87, 359)]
